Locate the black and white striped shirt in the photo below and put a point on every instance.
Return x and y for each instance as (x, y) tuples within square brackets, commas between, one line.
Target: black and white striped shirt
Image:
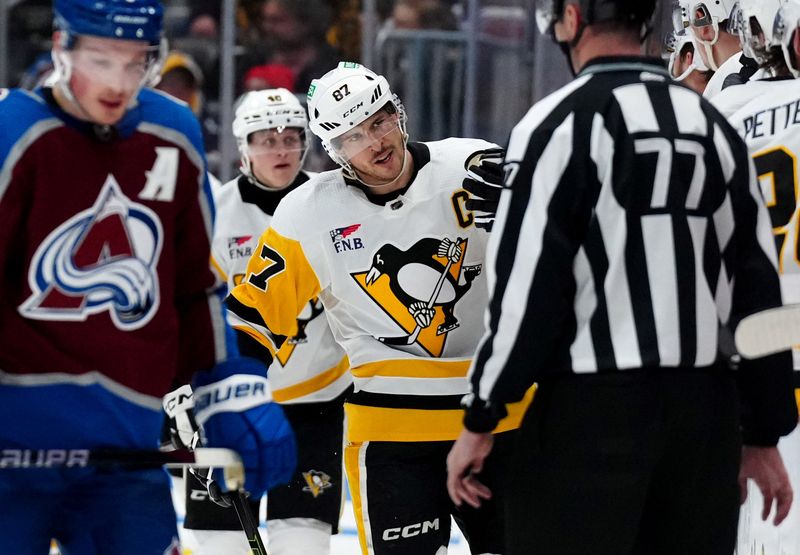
[(631, 209)]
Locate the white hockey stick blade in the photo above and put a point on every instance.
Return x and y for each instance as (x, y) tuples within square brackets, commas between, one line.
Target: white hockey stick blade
[(768, 332), (211, 456), (215, 457)]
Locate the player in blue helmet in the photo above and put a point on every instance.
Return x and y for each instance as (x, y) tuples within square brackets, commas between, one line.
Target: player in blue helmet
[(109, 299)]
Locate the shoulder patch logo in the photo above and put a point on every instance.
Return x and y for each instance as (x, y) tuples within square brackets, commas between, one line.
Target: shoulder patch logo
[(100, 260), (419, 288), (342, 240), (238, 247)]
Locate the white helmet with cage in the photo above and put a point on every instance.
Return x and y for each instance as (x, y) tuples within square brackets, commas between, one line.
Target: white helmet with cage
[(342, 99), (787, 21), (755, 25), (276, 109)]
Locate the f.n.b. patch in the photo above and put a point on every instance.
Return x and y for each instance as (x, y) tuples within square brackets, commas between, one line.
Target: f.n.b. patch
[(343, 239), (238, 247)]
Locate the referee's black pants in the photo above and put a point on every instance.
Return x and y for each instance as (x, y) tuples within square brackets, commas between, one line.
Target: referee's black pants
[(642, 463)]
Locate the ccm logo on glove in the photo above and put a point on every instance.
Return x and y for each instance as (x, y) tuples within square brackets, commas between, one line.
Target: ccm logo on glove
[(236, 393)]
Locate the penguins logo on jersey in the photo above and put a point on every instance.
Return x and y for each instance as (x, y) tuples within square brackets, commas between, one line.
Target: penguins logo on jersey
[(419, 288), (101, 259), (312, 310), (317, 482)]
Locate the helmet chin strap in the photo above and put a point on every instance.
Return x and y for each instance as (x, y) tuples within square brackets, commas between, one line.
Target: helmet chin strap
[(686, 73), (707, 46), (61, 78)]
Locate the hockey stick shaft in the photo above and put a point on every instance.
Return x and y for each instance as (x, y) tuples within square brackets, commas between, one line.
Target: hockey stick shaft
[(248, 522), (119, 458), (768, 332)]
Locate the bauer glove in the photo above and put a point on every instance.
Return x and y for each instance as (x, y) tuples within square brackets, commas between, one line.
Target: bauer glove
[(233, 405), (484, 183)]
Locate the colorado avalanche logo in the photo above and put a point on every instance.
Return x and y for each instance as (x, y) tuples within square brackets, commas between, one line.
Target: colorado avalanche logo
[(101, 259)]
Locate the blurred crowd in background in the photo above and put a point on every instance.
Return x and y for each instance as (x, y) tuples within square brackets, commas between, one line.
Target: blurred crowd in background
[(420, 45)]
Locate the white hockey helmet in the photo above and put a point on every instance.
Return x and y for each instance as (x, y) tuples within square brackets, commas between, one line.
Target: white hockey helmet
[(755, 26), (674, 44), (276, 109), (787, 21), (342, 99), (704, 13)]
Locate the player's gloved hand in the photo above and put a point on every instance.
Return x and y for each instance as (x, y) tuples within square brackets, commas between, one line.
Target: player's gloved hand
[(484, 185), (233, 405), (180, 428)]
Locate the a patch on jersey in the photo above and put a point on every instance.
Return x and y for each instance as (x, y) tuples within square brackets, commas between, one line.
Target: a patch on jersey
[(342, 240), (101, 259), (238, 247), (3, 94), (419, 289), (312, 309), (317, 482)]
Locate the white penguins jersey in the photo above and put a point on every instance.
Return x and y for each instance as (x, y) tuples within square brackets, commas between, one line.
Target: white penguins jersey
[(768, 118), (730, 66), (310, 366), (730, 100), (769, 122), (403, 284)]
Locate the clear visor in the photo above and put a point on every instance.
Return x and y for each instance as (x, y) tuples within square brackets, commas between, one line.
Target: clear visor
[(368, 134), (126, 66), (546, 16), (279, 141)]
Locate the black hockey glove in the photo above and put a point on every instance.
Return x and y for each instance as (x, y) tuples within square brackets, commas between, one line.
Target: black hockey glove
[(484, 185)]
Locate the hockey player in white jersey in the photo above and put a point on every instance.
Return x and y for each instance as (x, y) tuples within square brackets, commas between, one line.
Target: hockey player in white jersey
[(393, 243), (717, 46), (766, 112), (308, 375), (683, 61)]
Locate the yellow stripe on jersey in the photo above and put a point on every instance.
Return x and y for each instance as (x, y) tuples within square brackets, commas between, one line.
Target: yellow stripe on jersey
[(413, 368), (797, 398), (278, 285), (312, 385), (384, 424), (353, 468)]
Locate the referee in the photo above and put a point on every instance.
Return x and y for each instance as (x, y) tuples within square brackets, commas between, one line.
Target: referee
[(630, 233)]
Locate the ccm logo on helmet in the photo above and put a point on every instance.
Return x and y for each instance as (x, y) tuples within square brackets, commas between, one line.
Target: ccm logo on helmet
[(411, 530), (353, 109)]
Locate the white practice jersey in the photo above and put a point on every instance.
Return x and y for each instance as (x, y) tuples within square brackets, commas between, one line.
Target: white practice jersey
[(310, 367), (403, 284), (769, 121)]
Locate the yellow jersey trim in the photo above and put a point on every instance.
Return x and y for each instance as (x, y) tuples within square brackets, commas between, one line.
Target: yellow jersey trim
[(318, 382), (413, 368), (384, 424)]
